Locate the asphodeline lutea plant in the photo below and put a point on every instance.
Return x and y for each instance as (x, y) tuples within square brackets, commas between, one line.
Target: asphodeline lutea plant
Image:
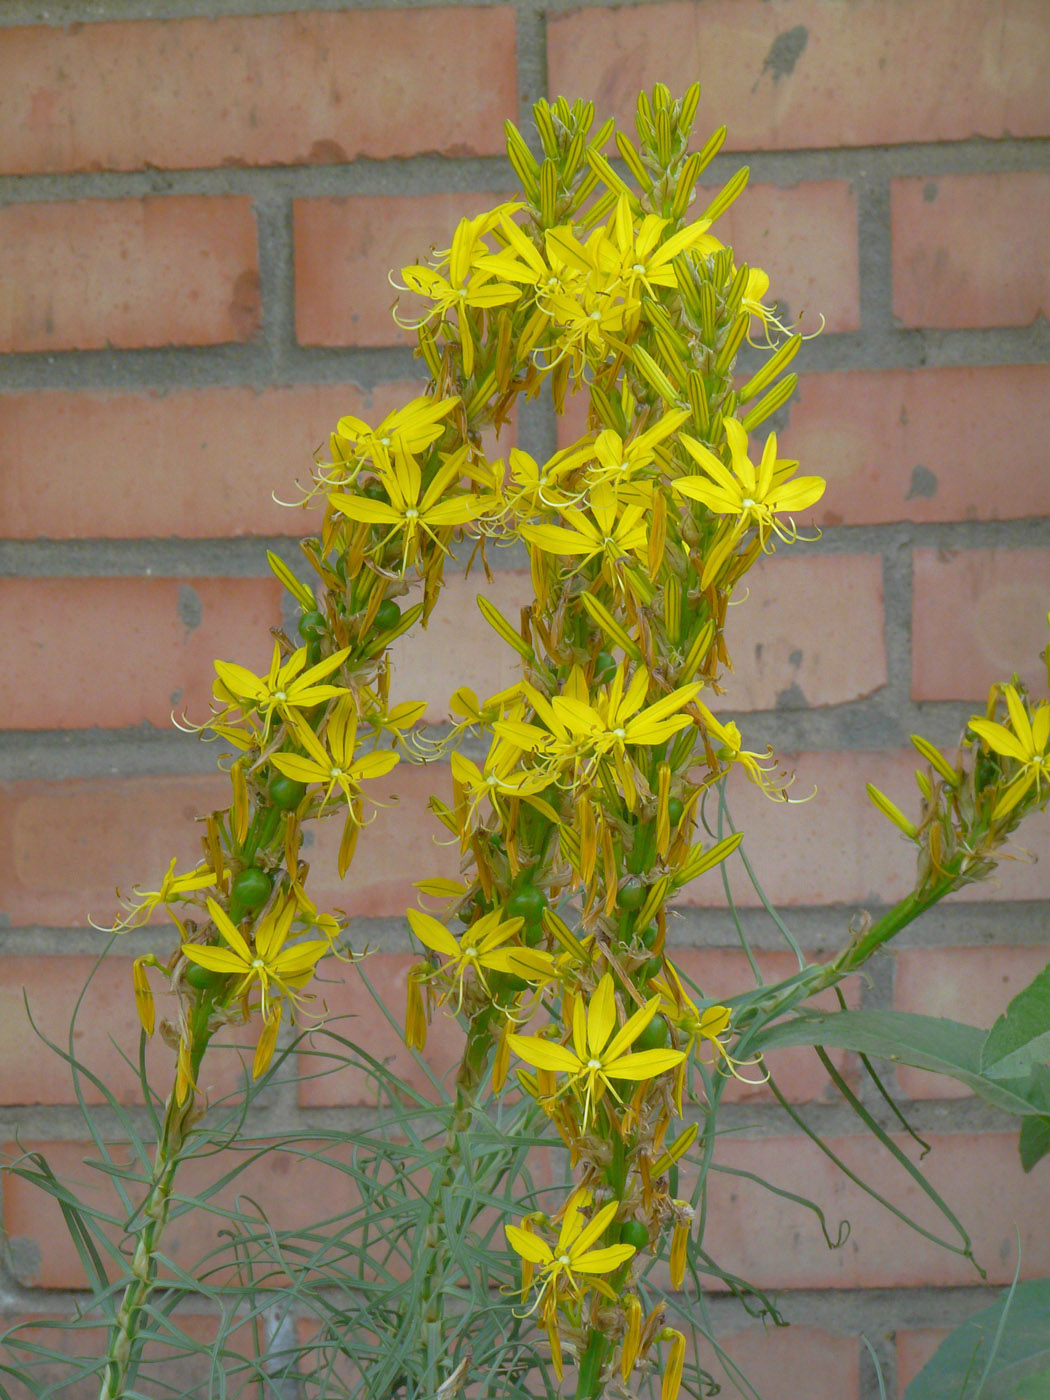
[(581, 824)]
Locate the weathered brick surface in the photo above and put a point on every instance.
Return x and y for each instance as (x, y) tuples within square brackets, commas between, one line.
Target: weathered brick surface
[(199, 463), (175, 1359), (346, 251), (123, 651), (805, 237), (968, 250), (775, 1243), (914, 1348), (289, 89), (42, 992), (793, 1361), (291, 1184), (835, 847), (783, 74), (925, 445), (170, 270), (787, 647), (810, 633), (67, 844), (977, 616), (973, 985)]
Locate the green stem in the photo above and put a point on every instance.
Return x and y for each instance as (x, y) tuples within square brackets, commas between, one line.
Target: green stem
[(471, 1070), (871, 940), (178, 1119)]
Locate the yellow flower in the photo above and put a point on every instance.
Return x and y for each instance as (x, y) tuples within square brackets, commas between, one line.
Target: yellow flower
[(339, 768), (481, 947), (283, 691), (1027, 743), (573, 1254), (270, 964), (172, 888), (411, 511), (608, 531), (751, 496), (598, 1055), (409, 429), (469, 282)]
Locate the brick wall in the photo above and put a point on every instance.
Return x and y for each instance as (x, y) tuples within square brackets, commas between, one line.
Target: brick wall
[(198, 210)]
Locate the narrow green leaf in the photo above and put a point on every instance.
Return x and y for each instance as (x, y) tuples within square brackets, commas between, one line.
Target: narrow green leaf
[(925, 1042)]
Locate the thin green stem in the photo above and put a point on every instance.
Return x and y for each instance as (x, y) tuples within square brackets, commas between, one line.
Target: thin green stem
[(178, 1119)]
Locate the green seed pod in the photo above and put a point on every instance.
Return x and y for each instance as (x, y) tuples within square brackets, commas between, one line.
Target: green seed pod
[(251, 889), (286, 793)]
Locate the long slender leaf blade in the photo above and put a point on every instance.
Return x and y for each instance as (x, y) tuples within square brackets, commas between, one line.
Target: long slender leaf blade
[(925, 1042)]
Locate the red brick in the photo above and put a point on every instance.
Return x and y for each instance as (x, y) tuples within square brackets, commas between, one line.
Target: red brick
[(297, 1192), (805, 237), (66, 845), (199, 463), (962, 984), (978, 615), (795, 1361), (124, 832), (970, 250), (261, 90), (782, 639), (110, 652), (914, 1348), (170, 270), (353, 1014), (106, 1038), (183, 1365), (459, 647), (864, 75), (835, 847), (899, 444), (345, 251), (790, 643), (776, 1244)]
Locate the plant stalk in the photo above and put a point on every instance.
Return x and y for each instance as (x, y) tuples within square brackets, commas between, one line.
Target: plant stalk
[(178, 1119)]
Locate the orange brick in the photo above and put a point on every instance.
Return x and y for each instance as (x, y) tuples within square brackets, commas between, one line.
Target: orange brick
[(970, 250), (297, 1191), (403, 843), (124, 832), (354, 1015), (345, 251), (287, 89), (788, 646), (170, 1361), (978, 615), (788, 1363), (201, 463), (171, 270), (899, 444), (106, 1037), (836, 847), (783, 642), (776, 1244), (805, 237), (784, 74), (962, 984), (459, 647), (914, 1348), (66, 845), (110, 652)]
